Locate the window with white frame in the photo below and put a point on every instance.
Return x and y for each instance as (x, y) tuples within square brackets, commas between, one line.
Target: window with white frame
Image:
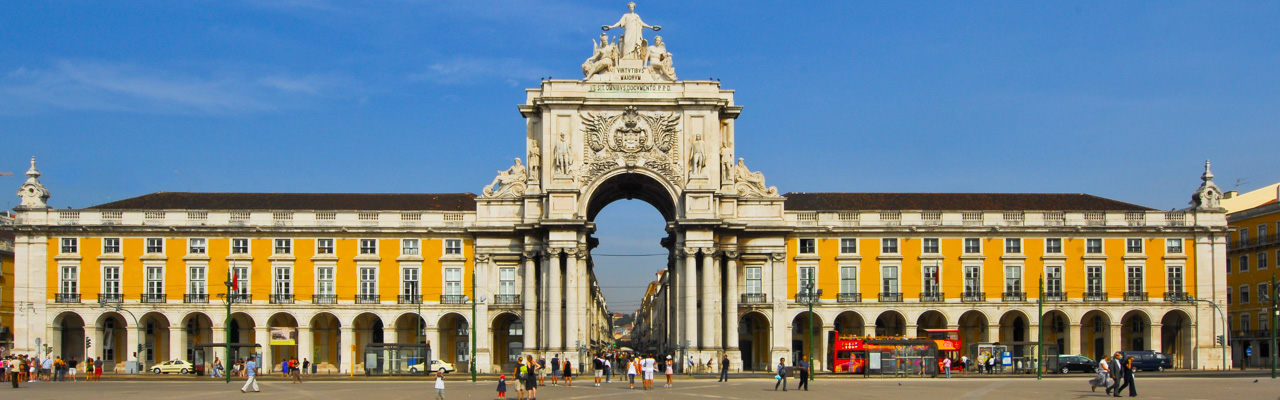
[(111, 245), (284, 246), (972, 279), (155, 245), (1262, 321), (1173, 246), (972, 245), (282, 281), (754, 280), (929, 246), (1262, 231), (1133, 279), (70, 280), (889, 245), (1013, 279), (1262, 261), (1053, 246), (1093, 279), (848, 246), (155, 280), (889, 279), (324, 246), (111, 279), (242, 278), (1244, 322), (808, 246), (1244, 263), (507, 281), (1174, 279), (1262, 293), (453, 247), (1053, 279), (197, 246), (1244, 294), (239, 246), (1244, 234), (806, 278), (930, 280), (197, 280), (1013, 245), (410, 279), (368, 246), (453, 281), (848, 279), (368, 281), (1133, 246), (70, 245), (1093, 246), (409, 247), (324, 281)]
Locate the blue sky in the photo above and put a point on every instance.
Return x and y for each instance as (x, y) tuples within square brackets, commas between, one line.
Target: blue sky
[(1119, 99)]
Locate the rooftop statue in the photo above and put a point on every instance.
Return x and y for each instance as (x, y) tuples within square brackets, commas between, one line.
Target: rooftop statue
[(632, 32)]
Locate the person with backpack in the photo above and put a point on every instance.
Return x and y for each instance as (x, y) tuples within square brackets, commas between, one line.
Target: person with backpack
[(519, 373), (555, 370)]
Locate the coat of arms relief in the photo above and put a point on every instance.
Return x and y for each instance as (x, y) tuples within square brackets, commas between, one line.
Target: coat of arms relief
[(631, 139)]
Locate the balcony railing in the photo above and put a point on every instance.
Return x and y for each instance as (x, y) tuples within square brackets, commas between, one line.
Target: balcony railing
[(931, 297), (1013, 296), (153, 298), (849, 297), (1055, 296), (890, 297), (806, 298), (409, 299), (241, 298), (107, 298), (754, 298), (324, 299), (506, 299), (453, 299), (368, 298), (67, 298), (1095, 296), (281, 298), (1176, 296), (195, 298), (973, 297), (1135, 296)]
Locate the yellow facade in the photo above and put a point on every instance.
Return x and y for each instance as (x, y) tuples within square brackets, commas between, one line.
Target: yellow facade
[(1253, 257)]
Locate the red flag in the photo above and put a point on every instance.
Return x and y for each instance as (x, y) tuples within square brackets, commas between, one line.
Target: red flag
[(235, 282)]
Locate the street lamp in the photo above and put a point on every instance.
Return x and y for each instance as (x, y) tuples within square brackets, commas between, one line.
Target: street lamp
[(813, 298), (471, 362)]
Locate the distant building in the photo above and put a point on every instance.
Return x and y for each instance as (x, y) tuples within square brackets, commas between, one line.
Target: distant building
[(1253, 258)]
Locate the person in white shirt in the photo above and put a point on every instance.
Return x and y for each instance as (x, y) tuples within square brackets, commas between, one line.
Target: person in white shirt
[(648, 372), (440, 384), (631, 372), (251, 371)]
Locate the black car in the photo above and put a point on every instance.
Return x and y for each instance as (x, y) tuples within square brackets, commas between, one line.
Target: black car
[(1148, 360), (1070, 362)]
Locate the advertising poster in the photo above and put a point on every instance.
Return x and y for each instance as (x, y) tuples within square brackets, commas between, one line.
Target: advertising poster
[(284, 336)]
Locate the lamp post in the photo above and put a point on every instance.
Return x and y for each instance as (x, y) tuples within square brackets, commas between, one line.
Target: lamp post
[(812, 298), (1040, 330), (226, 327), (471, 362)]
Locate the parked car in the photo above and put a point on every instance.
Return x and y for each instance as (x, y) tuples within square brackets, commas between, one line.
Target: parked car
[(1078, 363), (179, 366), (436, 365), (1149, 360)]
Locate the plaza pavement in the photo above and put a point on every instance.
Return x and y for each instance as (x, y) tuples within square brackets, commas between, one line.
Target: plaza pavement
[(1071, 387)]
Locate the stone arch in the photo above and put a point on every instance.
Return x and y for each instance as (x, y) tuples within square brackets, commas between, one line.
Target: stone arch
[(1015, 327), (279, 353), (849, 322), (409, 327), (1135, 330), (753, 340), (326, 331), (930, 319), (155, 338), (197, 328), (242, 331), (111, 339), (630, 183), (507, 341), (891, 323), (1095, 334), (801, 340), (69, 335), (973, 330), (1056, 326), (455, 336), (1177, 337)]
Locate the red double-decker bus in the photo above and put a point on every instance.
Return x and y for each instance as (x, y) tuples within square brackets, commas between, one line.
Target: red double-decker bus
[(848, 353), (949, 345)]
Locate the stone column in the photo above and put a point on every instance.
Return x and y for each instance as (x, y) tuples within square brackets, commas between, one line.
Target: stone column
[(219, 336), (689, 279), (1073, 338), (1153, 337), (306, 345), (530, 316), (555, 313), (346, 339), (433, 338), (1113, 339), (130, 351), (262, 336), (177, 344), (710, 303), (573, 308), (731, 303)]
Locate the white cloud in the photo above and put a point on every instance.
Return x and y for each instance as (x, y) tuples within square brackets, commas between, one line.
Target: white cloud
[(470, 70)]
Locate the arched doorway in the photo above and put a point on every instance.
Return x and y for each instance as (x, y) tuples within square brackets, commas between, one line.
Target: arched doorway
[(891, 323), (368, 329), (70, 327), (1057, 330), (753, 341), (1014, 327), (1135, 331), (1095, 334), (409, 329), (282, 331), (973, 330), (198, 328), (326, 333), (931, 319), (850, 323), (155, 346), (242, 332), (454, 341), (1177, 338), (804, 333), (507, 343), (111, 341)]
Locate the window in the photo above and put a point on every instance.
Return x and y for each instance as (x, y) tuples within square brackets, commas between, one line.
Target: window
[(155, 245), (929, 246), (1173, 246), (753, 277), (1133, 245), (1012, 279), (1228, 296), (1013, 245), (197, 282), (889, 245), (889, 279), (155, 280), (848, 279), (1262, 232), (805, 279), (972, 246), (1244, 322), (1053, 245), (1244, 234), (453, 247), (70, 245), (453, 281), (283, 281), (1053, 279), (1093, 279), (930, 276), (111, 245), (70, 280), (324, 281), (197, 246), (368, 246), (972, 279), (324, 246), (848, 246), (807, 246), (410, 278), (1093, 246), (111, 279), (1262, 261), (1133, 279), (368, 281), (242, 278), (284, 246), (1262, 293), (1174, 281), (409, 247), (506, 281), (1244, 294), (1244, 263), (239, 246), (1228, 265)]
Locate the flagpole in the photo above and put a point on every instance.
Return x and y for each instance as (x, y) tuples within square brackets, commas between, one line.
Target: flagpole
[(226, 325)]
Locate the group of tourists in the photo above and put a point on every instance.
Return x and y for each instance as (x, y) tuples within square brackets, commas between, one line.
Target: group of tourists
[(530, 373), (291, 368), (803, 368), (25, 368), (1112, 371)]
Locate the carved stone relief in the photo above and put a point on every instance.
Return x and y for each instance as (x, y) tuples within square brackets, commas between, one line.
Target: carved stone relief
[(631, 139), (509, 183)]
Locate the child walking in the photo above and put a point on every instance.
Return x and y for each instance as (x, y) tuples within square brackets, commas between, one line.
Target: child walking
[(502, 386)]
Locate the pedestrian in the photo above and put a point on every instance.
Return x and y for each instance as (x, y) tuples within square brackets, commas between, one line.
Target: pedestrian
[(46, 369), (1127, 375), (250, 371), (284, 367), (631, 372), (964, 363), (217, 367), (440, 384), (597, 364), (670, 372), (568, 372), (502, 386), (542, 370), (691, 364), (13, 366), (1117, 374), (71, 368), (724, 369), (608, 370), (531, 379), (804, 373), (97, 370), (782, 375), (649, 365), (58, 366), (521, 371), (293, 369), (305, 365), (1103, 377), (88, 369), (991, 365), (946, 366), (555, 370)]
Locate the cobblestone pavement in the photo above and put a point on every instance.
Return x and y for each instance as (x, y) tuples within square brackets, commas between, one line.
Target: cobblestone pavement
[(1235, 388)]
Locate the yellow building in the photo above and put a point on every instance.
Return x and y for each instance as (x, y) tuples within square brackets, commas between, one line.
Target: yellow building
[(6, 281), (1253, 257)]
